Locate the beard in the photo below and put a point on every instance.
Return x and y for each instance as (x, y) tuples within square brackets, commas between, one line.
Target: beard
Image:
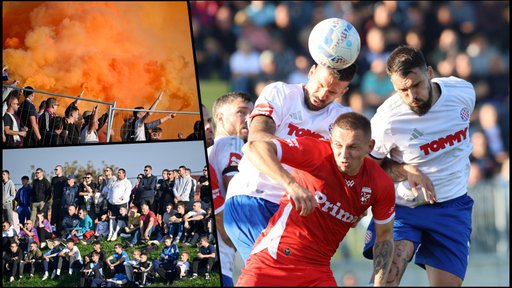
[(424, 107)]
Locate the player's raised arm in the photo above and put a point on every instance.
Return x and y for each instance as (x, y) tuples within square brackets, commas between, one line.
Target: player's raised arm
[(263, 155), (262, 128), (383, 252)]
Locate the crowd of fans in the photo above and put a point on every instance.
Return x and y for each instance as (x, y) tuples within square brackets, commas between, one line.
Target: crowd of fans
[(249, 44), (57, 216)]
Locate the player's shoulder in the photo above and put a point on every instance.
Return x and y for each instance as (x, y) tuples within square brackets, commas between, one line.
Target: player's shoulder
[(458, 89), (281, 89), (338, 108), (390, 108), (453, 82), (378, 174)]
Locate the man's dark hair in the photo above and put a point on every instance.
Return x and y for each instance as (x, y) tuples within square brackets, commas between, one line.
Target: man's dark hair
[(70, 110), (5, 171), (345, 74), (25, 177), (403, 59), (122, 170), (229, 98), (354, 121), (148, 166), (27, 93), (135, 112), (182, 166)]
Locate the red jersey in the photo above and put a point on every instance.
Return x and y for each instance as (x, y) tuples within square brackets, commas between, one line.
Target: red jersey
[(144, 219), (312, 240)]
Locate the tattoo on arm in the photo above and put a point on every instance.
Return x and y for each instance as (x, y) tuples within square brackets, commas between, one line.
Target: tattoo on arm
[(383, 253), (394, 169)]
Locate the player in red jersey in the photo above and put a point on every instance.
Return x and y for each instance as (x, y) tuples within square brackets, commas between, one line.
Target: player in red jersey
[(340, 185)]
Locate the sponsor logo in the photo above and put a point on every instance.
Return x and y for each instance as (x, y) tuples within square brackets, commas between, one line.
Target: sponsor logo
[(349, 183), (415, 134), (215, 193), (334, 209), (441, 143), (292, 142), (297, 116), (234, 159), (296, 131), (464, 114), (367, 236), (366, 193)]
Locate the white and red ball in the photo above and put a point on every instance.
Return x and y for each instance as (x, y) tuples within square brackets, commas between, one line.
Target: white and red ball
[(334, 43)]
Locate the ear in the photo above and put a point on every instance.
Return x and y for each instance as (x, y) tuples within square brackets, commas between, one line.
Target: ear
[(371, 146), (430, 72), (311, 71)]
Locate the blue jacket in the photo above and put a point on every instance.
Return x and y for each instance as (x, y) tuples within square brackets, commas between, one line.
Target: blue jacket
[(172, 252)]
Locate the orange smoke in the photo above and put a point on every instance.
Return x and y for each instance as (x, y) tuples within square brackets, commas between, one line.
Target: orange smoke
[(114, 51)]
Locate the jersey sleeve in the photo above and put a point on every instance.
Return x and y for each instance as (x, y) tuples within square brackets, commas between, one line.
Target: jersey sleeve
[(231, 154), (269, 103), (304, 153), (218, 200), (381, 135), (383, 209)]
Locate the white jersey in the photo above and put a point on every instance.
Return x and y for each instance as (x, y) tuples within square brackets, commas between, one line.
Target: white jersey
[(88, 137), (285, 104), (224, 156), (140, 133), (437, 143)]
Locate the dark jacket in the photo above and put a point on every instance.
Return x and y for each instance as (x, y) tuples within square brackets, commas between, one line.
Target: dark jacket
[(41, 190), (146, 188)]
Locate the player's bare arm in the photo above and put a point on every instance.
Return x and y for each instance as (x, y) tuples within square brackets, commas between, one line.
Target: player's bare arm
[(262, 128), (401, 172), (219, 218), (383, 253), (263, 155)]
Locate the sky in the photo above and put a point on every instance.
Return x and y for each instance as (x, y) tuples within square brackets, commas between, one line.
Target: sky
[(131, 157)]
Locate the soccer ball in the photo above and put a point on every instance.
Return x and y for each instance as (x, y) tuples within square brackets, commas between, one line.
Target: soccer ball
[(334, 43)]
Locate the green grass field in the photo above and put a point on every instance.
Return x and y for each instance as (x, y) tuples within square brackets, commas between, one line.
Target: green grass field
[(72, 281), (211, 90)]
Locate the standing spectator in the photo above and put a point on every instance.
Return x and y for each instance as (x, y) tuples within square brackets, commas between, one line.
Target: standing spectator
[(9, 235), (70, 254), (119, 193), (89, 133), (205, 257), (11, 260), (41, 109), (69, 222), (192, 194), (33, 256), (205, 189), (148, 224), (44, 229), (51, 258), (58, 182), (182, 186), (23, 200), (208, 130), (146, 189), (13, 130), (27, 113), (47, 120), (28, 234), (164, 193), (41, 194), (85, 193), (133, 200), (71, 125), (8, 195)]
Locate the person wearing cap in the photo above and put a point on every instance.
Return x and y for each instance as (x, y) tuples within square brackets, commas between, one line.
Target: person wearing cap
[(47, 120), (27, 113)]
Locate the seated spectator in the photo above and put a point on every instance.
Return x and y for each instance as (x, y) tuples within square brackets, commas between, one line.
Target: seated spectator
[(71, 255), (169, 212), (85, 227), (143, 274), (9, 235), (180, 270), (33, 257), (169, 255), (101, 229), (117, 281), (96, 245), (194, 224), (118, 223), (28, 234), (11, 260), (205, 258), (148, 223), (92, 270), (44, 229), (69, 222), (116, 260), (129, 265), (156, 133), (176, 223), (51, 258), (133, 223)]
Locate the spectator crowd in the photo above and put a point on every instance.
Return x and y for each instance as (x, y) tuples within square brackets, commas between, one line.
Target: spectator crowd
[(249, 44), (58, 216)]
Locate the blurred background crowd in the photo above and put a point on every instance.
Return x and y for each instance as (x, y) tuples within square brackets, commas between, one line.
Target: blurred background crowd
[(244, 45), (249, 44)]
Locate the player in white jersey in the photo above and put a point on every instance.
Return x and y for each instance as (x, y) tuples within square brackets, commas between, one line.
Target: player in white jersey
[(285, 111), (230, 113), (423, 131)]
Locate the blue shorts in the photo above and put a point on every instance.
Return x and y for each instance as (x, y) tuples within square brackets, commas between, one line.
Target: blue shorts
[(245, 217), (227, 281), (441, 234)]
